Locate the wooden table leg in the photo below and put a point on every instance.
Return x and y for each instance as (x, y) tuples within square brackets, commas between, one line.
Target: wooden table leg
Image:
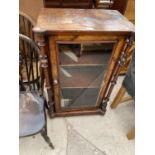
[(118, 97), (131, 134)]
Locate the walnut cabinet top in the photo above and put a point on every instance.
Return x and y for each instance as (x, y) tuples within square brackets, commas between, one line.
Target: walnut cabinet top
[(58, 20)]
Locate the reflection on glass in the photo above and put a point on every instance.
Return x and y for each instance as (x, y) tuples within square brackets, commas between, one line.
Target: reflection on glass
[(81, 74)]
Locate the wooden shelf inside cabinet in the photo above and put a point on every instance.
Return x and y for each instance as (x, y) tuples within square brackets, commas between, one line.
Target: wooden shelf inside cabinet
[(82, 76), (86, 71), (83, 86), (87, 57)]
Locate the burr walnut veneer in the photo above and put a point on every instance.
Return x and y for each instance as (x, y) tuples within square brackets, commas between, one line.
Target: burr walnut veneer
[(85, 79)]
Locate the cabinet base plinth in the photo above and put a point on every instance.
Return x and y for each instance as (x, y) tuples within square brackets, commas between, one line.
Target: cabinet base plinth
[(77, 113)]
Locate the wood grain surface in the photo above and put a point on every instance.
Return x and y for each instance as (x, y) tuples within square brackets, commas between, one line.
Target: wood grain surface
[(82, 20)]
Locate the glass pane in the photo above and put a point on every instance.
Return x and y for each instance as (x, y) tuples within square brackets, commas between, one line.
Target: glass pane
[(81, 73), (78, 145)]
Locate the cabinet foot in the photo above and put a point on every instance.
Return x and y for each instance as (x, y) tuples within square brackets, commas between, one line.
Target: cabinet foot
[(104, 105)]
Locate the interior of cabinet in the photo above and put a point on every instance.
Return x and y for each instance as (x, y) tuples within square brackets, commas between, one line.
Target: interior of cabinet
[(82, 73)]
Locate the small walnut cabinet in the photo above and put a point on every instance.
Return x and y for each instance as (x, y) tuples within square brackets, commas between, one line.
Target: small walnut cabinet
[(81, 82)]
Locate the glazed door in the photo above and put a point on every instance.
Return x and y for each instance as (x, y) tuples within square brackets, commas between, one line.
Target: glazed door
[(81, 72)]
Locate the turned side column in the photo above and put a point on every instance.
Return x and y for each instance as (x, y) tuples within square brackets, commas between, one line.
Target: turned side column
[(40, 38), (120, 62)]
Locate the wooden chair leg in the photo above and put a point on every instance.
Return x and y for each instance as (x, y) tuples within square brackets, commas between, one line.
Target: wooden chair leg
[(131, 134), (125, 99), (118, 97), (46, 138)]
